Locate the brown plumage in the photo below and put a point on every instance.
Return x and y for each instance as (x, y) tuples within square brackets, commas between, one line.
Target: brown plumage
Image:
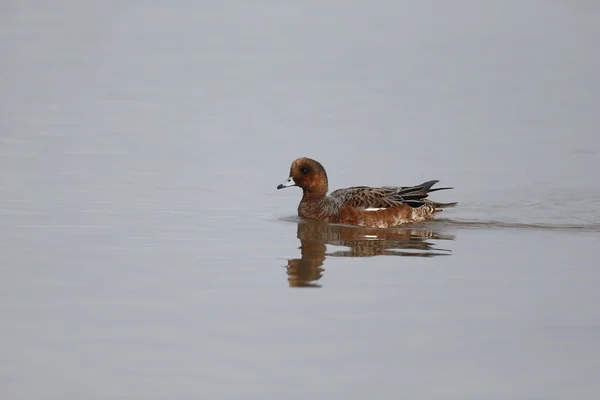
[(360, 205)]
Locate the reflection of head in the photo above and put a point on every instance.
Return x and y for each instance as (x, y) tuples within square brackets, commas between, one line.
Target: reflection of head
[(307, 269)]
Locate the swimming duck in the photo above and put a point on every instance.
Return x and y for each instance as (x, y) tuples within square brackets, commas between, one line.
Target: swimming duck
[(380, 207)]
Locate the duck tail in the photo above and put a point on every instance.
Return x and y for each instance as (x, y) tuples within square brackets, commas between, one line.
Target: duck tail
[(416, 196), (441, 206), (436, 189), (425, 187)]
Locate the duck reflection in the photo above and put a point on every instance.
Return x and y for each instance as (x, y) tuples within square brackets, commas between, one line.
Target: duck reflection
[(360, 242)]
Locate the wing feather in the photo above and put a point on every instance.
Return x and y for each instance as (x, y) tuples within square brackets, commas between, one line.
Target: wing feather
[(386, 196)]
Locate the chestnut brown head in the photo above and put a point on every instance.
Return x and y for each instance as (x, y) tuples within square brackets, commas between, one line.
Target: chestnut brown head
[(308, 174)]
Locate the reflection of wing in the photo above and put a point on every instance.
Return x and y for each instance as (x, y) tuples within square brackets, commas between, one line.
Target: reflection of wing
[(367, 242), (387, 196), (360, 241)]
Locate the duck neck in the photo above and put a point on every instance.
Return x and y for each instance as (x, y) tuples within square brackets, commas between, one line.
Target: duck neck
[(317, 193)]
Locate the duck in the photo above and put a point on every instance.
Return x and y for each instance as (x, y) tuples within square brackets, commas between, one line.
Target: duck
[(377, 207)]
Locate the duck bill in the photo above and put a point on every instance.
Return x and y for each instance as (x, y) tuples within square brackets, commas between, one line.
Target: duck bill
[(288, 183)]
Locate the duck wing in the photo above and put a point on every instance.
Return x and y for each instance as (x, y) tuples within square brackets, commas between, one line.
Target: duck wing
[(386, 196)]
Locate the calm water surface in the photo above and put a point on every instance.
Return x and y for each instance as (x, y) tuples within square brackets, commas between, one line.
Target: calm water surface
[(146, 254)]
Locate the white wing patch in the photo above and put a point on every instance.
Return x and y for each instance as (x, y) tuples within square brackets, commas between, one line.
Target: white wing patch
[(374, 209)]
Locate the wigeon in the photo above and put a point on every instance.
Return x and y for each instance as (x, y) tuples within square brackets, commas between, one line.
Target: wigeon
[(381, 207)]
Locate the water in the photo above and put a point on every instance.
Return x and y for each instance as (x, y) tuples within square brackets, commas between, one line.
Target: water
[(145, 252)]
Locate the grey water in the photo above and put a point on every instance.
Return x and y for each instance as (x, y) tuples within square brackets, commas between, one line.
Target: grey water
[(146, 254)]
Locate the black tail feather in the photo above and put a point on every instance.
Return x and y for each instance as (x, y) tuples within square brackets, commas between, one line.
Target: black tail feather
[(415, 196), (436, 189), (445, 205), (419, 191)]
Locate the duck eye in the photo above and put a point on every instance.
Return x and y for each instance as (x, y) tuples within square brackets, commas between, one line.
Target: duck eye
[(304, 171)]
